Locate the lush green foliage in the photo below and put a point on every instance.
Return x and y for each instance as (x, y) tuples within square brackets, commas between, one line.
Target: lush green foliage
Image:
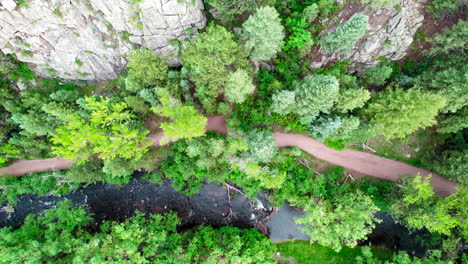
[(351, 99), (450, 40), (377, 75), (305, 253), (53, 182), (453, 165), (263, 34), (145, 69), (453, 123), (239, 86), (439, 8), (314, 95), (344, 37), (396, 113), (7, 65), (105, 127), (208, 60), (60, 236), (323, 127), (186, 121), (344, 221), (448, 77), (401, 258), (262, 146), (230, 10), (416, 206)]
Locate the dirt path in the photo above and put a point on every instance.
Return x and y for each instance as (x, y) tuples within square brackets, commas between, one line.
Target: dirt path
[(361, 162)]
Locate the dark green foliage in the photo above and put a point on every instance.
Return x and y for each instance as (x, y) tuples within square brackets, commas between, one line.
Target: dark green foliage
[(378, 190), (439, 8), (51, 182), (433, 257), (453, 164), (376, 76), (453, 123), (448, 77), (7, 65), (453, 39)]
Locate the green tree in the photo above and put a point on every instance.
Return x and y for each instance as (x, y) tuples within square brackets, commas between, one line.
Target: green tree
[(208, 61), (396, 113), (377, 75), (323, 127), (262, 146), (448, 77), (231, 10), (263, 34), (343, 221), (439, 8), (145, 69), (450, 40), (453, 164), (316, 94), (344, 37), (351, 99), (310, 13), (283, 102), (415, 205), (453, 123), (239, 86), (186, 121), (108, 129), (349, 125)]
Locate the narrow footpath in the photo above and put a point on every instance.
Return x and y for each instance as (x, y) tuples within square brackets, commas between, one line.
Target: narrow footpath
[(362, 162)]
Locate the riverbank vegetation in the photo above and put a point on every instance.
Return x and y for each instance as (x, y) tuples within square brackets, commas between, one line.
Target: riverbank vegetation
[(262, 80)]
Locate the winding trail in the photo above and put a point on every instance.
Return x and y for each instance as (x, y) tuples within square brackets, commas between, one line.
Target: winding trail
[(359, 161)]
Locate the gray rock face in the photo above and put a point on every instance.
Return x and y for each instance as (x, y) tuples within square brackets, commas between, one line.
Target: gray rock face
[(389, 34), (88, 39)]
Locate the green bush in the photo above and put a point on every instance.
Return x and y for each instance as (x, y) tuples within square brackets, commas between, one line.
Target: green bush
[(231, 10)]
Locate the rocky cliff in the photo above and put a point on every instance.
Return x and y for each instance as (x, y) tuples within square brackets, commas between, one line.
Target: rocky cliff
[(88, 39), (389, 34)]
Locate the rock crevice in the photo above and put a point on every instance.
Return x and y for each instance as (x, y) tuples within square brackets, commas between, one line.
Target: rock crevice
[(88, 39)]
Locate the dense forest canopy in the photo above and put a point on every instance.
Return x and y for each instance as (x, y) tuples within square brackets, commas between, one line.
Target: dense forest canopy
[(251, 64)]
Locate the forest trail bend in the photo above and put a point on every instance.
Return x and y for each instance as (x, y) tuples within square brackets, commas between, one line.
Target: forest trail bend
[(362, 162)]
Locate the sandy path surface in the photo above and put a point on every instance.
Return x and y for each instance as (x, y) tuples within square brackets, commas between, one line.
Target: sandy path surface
[(358, 161)]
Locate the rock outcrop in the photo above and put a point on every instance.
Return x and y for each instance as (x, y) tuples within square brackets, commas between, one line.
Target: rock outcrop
[(389, 34), (88, 39)]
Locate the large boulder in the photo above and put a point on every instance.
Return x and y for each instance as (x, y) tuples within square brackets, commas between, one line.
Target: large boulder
[(389, 34), (88, 39)]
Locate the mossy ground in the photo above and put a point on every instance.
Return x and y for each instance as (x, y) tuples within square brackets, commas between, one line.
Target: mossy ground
[(305, 253)]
